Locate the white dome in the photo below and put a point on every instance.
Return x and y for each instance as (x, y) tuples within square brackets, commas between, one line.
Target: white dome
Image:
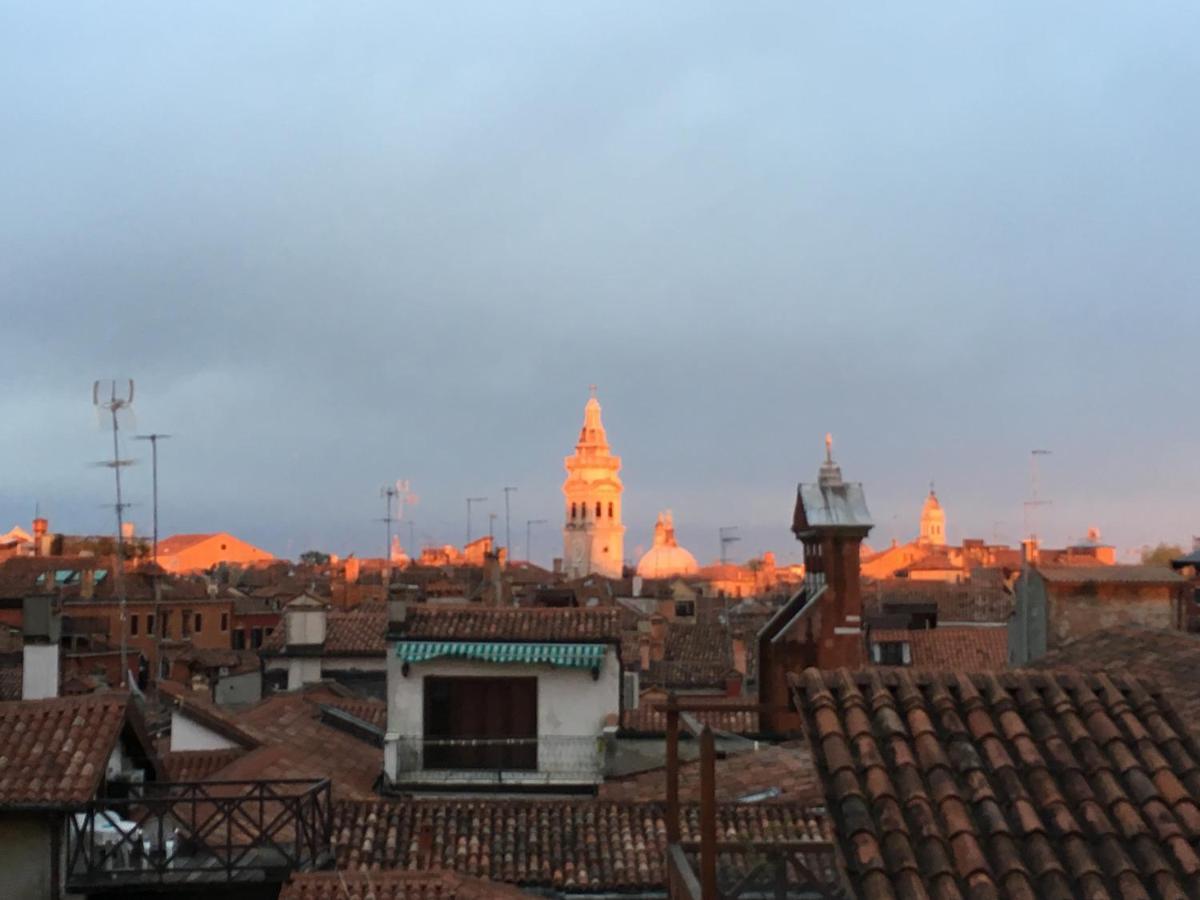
[(666, 557)]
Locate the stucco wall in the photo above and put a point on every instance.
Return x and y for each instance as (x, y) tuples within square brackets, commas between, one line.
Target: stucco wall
[(189, 735), (1078, 610), (25, 855)]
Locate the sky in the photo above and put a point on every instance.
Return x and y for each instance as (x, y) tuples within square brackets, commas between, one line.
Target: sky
[(342, 244)]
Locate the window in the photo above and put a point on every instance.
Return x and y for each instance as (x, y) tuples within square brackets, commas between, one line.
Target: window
[(481, 723), (239, 639), (598, 513), (133, 624), (685, 609), (199, 623), (610, 509), (224, 621), (150, 623), (186, 622), (255, 638), (166, 623), (891, 653)]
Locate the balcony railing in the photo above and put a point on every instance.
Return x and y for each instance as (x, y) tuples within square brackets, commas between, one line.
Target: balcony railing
[(554, 759), (200, 832)]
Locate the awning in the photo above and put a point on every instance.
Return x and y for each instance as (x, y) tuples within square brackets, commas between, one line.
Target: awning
[(574, 656)]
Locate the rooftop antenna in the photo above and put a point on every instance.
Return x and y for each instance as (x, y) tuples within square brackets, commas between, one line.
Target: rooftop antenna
[(728, 535), (388, 493), (115, 396), (507, 529), (529, 523), (492, 526), (1034, 501), (153, 439), (471, 501)]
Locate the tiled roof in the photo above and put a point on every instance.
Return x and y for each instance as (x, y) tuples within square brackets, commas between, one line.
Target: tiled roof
[(1017, 785), (971, 648), (568, 845), (54, 752), (11, 679), (954, 602), (467, 623), (395, 885), (1165, 659), (1110, 574), (694, 656), (295, 743), (367, 709), (346, 634), (646, 719), (197, 765), (781, 773)]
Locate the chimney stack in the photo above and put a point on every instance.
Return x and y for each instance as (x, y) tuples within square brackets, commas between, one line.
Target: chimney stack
[(41, 622), (1029, 551), (658, 637)]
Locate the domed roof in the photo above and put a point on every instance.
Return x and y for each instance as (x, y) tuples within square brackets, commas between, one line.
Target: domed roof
[(666, 557)]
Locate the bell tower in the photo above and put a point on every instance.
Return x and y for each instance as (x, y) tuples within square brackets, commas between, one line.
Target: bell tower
[(593, 536)]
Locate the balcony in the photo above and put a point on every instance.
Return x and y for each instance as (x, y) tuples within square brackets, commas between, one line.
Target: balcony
[(199, 833), (561, 761)]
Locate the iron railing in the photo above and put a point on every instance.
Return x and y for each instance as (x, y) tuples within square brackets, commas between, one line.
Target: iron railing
[(548, 759), (208, 832)]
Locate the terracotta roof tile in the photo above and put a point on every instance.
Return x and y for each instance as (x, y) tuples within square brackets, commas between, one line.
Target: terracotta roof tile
[(1016, 784), (589, 846), (346, 634), (951, 648), (197, 765), (451, 623), (395, 885), (648, 719), (54, 752)]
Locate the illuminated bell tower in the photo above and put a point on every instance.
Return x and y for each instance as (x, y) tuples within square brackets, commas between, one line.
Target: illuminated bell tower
[(593, 536)]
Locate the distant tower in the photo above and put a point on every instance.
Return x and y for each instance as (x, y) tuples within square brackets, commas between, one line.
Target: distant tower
[(593, 536), (933, 521)]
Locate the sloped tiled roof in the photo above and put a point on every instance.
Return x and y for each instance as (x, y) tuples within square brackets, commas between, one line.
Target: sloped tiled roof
[(450, 623), (568, 845), (647, 719), (11, 680), (346, 634), (1021, 785), (1166, 659), (395, 885), (783, 768), (197, 765), (1110, 574), (971, 648), (969, 602), (54, 752)]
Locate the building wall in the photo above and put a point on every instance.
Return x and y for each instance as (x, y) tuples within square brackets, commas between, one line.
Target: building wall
[(220, 548), (1078, 610), (187, 734), (570, 702), (25, 855)]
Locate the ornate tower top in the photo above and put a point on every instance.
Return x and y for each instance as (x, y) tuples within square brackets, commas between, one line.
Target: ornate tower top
[(831, 473), (933, 520)]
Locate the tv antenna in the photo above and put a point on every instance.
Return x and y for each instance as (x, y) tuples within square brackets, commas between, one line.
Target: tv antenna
[(153, 439), (728, 535), (403, 496), (471, 501), (492, 526), (1034, 501), (529, 523), (115, 396)]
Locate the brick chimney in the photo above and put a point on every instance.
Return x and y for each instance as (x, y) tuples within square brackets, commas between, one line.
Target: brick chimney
[(658, 637)]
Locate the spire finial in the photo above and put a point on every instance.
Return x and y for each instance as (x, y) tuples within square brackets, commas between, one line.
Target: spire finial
[(828, 447), (592, 391), (932, 492)]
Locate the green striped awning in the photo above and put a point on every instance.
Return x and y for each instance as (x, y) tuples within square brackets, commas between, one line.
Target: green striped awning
[(575, 656)]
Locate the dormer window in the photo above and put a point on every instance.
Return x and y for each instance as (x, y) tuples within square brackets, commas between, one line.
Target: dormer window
[(891, 653)]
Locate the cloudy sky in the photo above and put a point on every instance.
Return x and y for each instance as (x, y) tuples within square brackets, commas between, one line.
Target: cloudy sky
[(341, 244)]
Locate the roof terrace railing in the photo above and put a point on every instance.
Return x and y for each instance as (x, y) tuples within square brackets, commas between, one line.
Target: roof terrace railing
[(726, 870), (548, 759), (200, 832)]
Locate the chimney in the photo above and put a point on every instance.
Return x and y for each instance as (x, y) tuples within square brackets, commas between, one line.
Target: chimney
[(491, 577), (733, 684), (305, 619), (637, 585), (739, 655), (40, 526), (41, 623), (644, 651), (658, 637), (1030, 551), (127, 531), (558, 565), (87, 583)]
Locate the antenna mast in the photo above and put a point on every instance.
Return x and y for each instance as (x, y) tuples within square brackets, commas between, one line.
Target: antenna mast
[(113, 396), (507, 529), (529, 523), (728, 535), (471, 501), (1032, 504)]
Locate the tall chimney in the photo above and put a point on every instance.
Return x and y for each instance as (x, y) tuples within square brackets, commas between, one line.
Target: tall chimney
[(41, 623)]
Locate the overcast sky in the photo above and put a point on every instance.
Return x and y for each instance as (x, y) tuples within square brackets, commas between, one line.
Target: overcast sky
[(339, 244)]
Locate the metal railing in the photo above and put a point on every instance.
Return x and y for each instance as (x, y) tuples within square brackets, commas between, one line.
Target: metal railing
[(547, 759), (189, 832)]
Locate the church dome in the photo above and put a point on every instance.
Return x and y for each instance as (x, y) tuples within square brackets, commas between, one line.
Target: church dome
[(933, 521), (666, 557)]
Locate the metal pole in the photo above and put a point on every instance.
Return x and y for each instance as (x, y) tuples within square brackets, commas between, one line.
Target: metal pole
[(470, 501), (672, 770), (507, 531), (708, 816), (120, 567)]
